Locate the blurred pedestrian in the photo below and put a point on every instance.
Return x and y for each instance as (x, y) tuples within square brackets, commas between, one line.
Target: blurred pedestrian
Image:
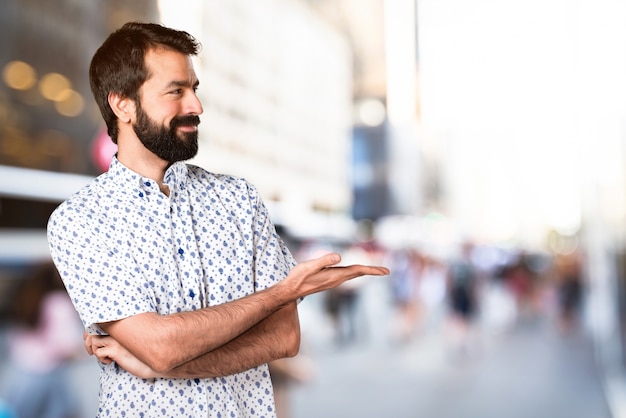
[(342, 301), (44, 336), (462, 296), (184, 287), (405, 267), (521, 283), (432, 289), (570, 286)]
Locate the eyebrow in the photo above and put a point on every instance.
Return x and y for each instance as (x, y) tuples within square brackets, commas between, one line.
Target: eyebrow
[(182, 83)]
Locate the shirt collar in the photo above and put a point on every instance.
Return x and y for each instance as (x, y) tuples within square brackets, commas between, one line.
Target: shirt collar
[(175, 177)]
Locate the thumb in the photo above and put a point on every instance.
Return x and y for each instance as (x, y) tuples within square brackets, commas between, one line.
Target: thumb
[(317, 264), (327, 260)]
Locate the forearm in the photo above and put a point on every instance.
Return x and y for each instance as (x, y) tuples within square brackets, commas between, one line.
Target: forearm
[(275, 337), (165, 342)]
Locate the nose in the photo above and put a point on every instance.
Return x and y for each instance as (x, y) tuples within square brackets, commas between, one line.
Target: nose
[(193, 106)]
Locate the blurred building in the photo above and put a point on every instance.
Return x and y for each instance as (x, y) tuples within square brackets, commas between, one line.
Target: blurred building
[(276, 84), (294, 92), (48, 119), (392, 173), (49, 122)]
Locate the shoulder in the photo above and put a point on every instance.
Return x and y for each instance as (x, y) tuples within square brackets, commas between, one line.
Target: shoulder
[(83, 205), (221, 183)]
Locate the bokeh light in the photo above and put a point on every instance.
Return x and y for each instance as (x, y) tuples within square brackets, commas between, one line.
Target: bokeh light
[(19, 75), (70, 103), (54, 87), (371, 112)]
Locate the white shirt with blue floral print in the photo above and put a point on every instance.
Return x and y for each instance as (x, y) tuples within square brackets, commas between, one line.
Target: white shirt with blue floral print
[(124, 248)]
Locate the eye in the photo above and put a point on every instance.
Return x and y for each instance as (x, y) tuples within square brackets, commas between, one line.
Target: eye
[(177, 91)]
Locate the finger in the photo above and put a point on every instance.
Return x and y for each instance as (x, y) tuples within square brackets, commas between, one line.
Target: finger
[(87, 340), (376, 270), (103, 354), (357, 270), (317, 264), (373, 270), (98, 341), (93, 342)]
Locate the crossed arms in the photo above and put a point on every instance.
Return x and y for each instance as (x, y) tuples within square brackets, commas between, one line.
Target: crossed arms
[(224, 339)]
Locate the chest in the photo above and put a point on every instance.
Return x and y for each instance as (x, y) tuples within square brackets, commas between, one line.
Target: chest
[(189, 251)]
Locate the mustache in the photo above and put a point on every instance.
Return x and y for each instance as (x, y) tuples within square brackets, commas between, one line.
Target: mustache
[(187, 120)]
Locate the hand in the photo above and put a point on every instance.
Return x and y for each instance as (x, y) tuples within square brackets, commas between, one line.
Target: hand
[(108, 350), (87, 341), (321, 274)]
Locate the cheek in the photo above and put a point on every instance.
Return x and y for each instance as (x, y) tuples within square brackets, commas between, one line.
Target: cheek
[(165, 115), (161, 112)]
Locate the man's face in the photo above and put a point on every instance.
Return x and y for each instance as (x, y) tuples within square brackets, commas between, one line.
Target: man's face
[(167, 111)]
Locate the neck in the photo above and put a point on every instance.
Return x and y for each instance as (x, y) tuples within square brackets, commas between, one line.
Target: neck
[(136, 157)]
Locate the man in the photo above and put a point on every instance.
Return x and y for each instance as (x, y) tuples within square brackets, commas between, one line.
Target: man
[(184, 287)]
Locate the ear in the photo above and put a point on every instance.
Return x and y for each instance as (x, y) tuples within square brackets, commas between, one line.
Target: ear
[(123, 107)]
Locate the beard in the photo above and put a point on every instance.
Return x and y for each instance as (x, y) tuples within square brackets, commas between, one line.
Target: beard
[(163, 141)]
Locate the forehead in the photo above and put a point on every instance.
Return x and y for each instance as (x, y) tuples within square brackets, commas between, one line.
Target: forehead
[(165, 66)]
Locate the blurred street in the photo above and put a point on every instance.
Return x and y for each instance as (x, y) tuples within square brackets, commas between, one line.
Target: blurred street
[(527, 371)]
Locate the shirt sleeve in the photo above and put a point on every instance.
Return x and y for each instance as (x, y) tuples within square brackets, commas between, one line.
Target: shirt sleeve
[(99, 275), (273, 260)]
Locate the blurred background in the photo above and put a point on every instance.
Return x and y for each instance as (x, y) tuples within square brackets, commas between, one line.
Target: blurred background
[(475, 147)]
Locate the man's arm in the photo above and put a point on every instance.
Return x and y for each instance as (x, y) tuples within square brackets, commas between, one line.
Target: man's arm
[(165, 342), (275, 337)]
